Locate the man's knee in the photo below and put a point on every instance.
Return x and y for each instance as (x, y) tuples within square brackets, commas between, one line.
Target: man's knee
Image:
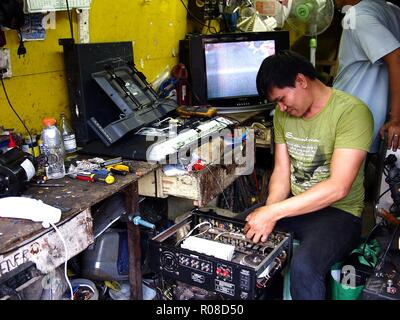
[(302, 265)]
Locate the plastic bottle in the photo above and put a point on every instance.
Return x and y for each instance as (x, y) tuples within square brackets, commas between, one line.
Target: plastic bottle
[(68, 135), (53, 149)]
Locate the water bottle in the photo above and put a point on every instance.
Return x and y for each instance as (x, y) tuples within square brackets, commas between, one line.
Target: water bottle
[(68, 135), (53, 149)]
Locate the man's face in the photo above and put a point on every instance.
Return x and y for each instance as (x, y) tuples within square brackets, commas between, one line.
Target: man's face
[(293, 100)]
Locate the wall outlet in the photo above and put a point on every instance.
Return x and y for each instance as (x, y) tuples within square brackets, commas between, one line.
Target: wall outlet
[(5, 62)]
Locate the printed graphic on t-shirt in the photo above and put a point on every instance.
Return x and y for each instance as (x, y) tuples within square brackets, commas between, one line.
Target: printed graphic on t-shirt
[(309, 164)]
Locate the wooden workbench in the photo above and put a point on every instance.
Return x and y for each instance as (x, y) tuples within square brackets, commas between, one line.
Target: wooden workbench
[(23, 241)]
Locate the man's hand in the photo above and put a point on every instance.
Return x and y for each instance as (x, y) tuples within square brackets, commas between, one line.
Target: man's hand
[(392, 127), (260, 224)]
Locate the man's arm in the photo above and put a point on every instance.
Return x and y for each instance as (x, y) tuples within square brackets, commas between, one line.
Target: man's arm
[(344, 169), (279, 184), (393, 125)]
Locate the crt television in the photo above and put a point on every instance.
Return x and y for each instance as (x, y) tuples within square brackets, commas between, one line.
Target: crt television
[(223, 67)]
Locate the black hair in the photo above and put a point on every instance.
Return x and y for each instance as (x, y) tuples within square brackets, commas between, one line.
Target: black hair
[(280, 70)]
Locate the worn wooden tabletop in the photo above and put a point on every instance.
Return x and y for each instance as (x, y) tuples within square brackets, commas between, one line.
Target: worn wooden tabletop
[(74, 197)]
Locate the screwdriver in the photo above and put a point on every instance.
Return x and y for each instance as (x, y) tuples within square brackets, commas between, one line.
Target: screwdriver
[(121, 169), (103, 175), (91, 177)]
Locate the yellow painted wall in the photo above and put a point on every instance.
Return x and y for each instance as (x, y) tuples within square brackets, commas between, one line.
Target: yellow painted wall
[(38, 89)]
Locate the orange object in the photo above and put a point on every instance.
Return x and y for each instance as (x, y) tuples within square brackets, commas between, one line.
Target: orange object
[(49, 121)]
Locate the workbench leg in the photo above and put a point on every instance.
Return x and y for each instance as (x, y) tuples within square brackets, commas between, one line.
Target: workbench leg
[(135, 257)]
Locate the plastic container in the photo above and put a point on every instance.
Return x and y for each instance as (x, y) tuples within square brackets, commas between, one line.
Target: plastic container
[(84, 289), (124, 292), (68, 135), (107, 258), (53, 149)]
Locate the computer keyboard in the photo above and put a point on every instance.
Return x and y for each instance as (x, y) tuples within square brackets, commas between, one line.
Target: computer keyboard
[(31, 6)]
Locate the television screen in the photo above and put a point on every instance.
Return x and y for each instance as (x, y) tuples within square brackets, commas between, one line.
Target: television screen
[(234, 75), (223, 67)]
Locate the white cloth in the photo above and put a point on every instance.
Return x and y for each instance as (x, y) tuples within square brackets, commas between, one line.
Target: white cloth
[(27, 208)]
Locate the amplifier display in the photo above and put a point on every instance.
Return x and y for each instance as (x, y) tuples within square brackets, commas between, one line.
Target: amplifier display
[(211, 252)]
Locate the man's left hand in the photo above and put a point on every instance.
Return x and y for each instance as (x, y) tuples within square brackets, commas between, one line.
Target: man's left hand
[(392, 127), (260, 224)]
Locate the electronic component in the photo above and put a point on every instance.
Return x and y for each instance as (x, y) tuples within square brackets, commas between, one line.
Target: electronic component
[(383, 285), (210, 64), (212, 248), (138, 102), (17, 168), (159, 150), (242, 276), (205, 9)]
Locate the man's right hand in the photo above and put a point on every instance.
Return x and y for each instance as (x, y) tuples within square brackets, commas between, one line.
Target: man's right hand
[(260, 224)]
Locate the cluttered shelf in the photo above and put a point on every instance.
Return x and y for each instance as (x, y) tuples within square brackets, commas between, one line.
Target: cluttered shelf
[(71, 196)]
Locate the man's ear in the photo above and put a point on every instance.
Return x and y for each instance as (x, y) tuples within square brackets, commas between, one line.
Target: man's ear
[(302, 81)]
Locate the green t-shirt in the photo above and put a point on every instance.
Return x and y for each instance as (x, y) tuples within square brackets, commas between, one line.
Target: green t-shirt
[(344, 122)]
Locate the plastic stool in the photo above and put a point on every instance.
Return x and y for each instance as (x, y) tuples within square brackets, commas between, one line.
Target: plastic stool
[(286, 274)]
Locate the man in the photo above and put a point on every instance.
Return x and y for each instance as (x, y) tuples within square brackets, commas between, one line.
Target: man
[(369, 63), (322, 136)]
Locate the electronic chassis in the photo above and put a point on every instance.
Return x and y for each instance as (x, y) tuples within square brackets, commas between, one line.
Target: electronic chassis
[(243, 275)]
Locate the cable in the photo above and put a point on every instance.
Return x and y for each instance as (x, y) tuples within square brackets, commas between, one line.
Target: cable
[(382, 259), (66, 259), (222, 190), (69, 13), (197, 19), (230, 233), (191, 231), (19, 118)]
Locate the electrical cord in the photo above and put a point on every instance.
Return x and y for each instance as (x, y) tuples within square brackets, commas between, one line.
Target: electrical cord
[(191, 231), (66, 259), (383, 258), (69, 13), (19, 118), (197, 19)]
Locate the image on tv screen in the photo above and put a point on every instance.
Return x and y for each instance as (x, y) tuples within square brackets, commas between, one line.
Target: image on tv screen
[(231, 67)]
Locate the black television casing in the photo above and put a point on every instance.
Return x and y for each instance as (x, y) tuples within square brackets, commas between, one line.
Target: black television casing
[(86, 99), (192, 54)]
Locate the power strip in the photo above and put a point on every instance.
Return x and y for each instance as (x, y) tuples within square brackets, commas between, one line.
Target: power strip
[(212, 248)]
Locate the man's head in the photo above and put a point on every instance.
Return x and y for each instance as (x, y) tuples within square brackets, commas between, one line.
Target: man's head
[(285, 78)]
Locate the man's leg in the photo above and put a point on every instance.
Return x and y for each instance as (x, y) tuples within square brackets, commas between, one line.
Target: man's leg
[(326, 236)]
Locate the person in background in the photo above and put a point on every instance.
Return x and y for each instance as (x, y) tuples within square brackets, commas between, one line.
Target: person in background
[(322, 136), (369, 63)]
